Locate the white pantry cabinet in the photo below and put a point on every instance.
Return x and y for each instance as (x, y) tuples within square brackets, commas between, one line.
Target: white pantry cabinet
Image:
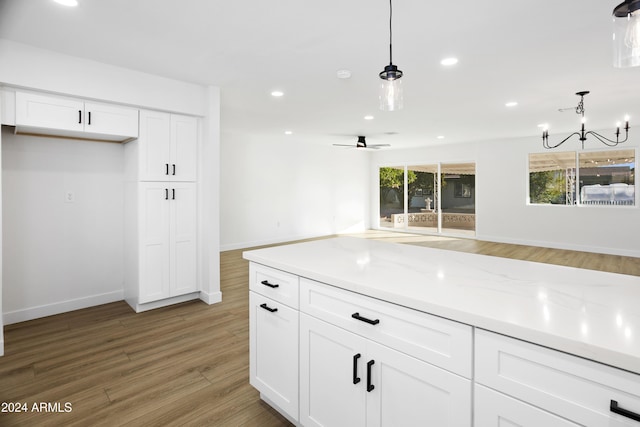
[(168, 145), (61, 116), (167, 251), (161, 214)]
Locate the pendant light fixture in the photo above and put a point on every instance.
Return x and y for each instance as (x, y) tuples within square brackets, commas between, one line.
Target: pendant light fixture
[(391, 85), (583, 133), (626, 34)]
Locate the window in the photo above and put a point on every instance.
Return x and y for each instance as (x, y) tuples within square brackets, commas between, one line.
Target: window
[(428, 198), (585, 178)]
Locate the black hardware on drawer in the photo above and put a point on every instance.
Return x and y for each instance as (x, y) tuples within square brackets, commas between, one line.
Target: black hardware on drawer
[(79, 116), (624, 412), (266, 307), (364, 319), (356, 378), (266, 283), (370, 386)]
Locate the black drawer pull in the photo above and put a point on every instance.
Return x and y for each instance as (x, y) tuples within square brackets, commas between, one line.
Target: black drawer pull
[(370, 386), (166, 170), (364, 319), (356, 378), (624, 412), (89, 122), (266, 307), (266, 283), (174, 169), (79, 116)]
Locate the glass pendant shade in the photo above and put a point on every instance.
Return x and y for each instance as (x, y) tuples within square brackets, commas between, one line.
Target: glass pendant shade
[(391, 88), (626, 34), (390, 95)]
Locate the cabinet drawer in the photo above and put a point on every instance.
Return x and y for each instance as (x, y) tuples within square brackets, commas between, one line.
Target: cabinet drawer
[(571, 387), (429, 338), (493, 409), (275, 284)]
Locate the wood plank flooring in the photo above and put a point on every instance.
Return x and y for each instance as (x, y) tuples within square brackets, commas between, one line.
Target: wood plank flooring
[(185, 365)]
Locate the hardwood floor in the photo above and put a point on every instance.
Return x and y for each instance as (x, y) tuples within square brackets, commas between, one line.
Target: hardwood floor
[(181, 365)]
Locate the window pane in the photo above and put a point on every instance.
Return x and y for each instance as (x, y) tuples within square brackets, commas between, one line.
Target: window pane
[(607, 177), (392, 197), (422, 203), (458, 200), (552, 178)]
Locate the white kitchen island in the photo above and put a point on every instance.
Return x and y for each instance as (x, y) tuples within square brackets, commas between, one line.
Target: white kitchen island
[(462, 338)]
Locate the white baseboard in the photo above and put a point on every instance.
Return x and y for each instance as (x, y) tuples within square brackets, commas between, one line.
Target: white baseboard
[(140, 307), (211, 298), (60, 307)]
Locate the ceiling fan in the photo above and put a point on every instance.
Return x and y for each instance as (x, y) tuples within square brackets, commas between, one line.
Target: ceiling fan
[(362, 144)]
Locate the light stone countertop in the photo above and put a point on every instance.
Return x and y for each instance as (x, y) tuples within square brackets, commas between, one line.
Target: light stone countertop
[(592, 314)]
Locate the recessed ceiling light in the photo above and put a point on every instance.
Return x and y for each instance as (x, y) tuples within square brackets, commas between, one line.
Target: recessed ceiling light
[(440, 136), (288, 132), (67, 2), (511, 104), (343, 74), (368, 117), (277, 93), (447, 62)]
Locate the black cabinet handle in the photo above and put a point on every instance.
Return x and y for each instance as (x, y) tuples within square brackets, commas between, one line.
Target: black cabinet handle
[(174, 169), (166, 194), (173, 194), (79, 116), (364, 319), (356, 378), (167, 169), (370, 386), (266, 283), (266, 307), (89, 122), (624, 412)]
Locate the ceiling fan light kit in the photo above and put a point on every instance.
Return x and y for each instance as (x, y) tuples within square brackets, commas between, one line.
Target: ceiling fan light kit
[(391, 96), (583, 133), (626, 34)]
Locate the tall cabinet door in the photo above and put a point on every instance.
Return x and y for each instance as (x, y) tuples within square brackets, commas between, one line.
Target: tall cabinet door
[(183, 238), (332, 375), (154, 221), (184, 138), (155, 146), (409, 392)]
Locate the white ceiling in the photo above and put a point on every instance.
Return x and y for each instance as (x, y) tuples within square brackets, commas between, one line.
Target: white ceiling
[(536, 53)]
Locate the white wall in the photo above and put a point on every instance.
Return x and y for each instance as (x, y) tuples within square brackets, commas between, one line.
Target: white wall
[(502, 213), (28, 67), (60, 256), (275, 190)]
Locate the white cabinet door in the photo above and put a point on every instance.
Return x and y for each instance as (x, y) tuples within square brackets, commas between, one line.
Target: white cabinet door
[(53, 115), (167, 240), (273, 352), (155, 146), (168, 145), (184, 138), (182, 233), (332, 375), (154, 223), (405, 391), (50, 112), (106, 119), (494, 409)]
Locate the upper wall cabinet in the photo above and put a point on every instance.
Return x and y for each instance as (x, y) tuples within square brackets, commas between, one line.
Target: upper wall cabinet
[(168, 144), (60, 116)]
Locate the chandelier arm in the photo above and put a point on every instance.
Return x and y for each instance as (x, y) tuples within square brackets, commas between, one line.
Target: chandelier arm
[(607, 141), (545, 140)]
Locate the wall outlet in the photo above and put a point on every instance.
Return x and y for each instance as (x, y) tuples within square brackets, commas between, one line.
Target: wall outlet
[(69, 197)]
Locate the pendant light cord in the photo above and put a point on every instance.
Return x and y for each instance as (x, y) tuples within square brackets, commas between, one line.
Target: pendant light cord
[(390, 33)]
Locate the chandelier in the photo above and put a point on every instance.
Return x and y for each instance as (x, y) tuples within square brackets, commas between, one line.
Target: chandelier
[(583, 133)]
